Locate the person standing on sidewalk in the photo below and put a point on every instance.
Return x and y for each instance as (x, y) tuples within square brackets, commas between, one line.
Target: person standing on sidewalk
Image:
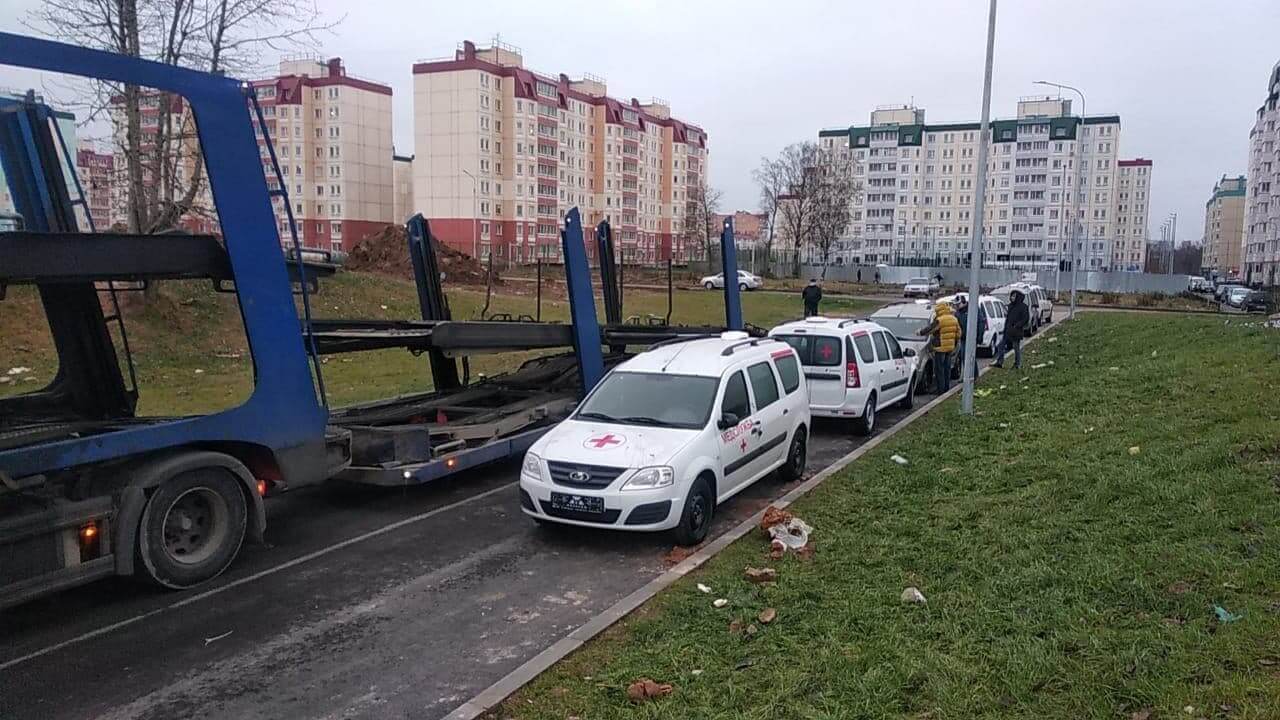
[(944, 333), (1016, 323), (812, 295)]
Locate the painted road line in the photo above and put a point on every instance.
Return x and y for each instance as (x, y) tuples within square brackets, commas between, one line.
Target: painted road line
[(251, 578)]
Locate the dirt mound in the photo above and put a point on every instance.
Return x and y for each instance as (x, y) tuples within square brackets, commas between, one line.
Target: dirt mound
[(387, 252)]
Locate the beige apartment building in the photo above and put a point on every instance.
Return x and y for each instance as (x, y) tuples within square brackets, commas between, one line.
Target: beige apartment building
[(332, 136), (1224, 216), (503, 152), (1051, 174), (1262, 220)]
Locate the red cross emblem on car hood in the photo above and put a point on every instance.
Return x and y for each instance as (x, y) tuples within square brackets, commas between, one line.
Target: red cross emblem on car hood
[(604, 442)]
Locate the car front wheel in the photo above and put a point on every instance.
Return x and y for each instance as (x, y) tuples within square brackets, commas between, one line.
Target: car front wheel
[(695, 519)]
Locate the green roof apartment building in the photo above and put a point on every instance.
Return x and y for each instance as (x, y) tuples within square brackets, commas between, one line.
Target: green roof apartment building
[(1046, 167), (1262, 242), (1224, 228)]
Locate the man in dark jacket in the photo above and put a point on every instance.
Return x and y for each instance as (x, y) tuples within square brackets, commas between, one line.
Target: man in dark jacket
[(812, 294), (1016, 324)]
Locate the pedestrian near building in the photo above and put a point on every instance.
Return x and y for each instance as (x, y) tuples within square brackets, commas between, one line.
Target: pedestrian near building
[(1016, 322), (877, 277), (943, 333), (859, 276), (812, 295)]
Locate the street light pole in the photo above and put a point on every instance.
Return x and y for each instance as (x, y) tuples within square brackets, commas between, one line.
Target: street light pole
[(1076, 225), (475, 216), (1173, 241), (975, 241)]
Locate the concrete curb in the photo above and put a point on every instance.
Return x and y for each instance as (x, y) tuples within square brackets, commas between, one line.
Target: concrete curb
[(493, 695)]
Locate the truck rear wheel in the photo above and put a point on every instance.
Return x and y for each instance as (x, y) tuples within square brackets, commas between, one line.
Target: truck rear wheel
[(192, 527)]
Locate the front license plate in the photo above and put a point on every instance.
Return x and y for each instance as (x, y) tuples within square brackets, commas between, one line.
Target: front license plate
[(577, 503)]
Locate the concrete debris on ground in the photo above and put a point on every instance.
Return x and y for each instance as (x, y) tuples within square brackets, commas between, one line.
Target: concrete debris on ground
[(678, 554), (760, 575), (646, 689), (767, 616), (1134, 450), (913, 595), (719, 603), (387, 252), (18, 370), (703, 589), (898, 459)]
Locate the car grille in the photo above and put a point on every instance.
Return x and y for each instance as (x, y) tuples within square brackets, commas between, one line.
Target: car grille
[(599, 476)]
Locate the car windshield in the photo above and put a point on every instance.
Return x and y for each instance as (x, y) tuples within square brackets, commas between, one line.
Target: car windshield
[(657, 399), (905, 328)]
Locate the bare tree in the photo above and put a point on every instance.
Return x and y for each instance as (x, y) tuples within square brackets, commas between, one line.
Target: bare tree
[(159, 161), (701, 221), (769, 177), (810, 191)]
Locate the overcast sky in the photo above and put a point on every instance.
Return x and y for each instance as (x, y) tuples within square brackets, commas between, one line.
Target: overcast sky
[(1185, 77)]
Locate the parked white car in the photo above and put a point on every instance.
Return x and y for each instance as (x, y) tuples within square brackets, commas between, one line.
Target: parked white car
[(855, 368), (669, 435), (1195, 283), (989, 334), (746, 281), (1039, 306), (920, 287)]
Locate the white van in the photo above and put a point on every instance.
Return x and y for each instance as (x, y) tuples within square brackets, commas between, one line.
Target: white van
[(854, 367), (670, 434)]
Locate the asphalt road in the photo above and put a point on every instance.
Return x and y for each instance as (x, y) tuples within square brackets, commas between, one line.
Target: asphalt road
[(365, 603)]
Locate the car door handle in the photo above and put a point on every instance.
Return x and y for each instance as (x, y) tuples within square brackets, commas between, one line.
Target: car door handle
[(785, 411)]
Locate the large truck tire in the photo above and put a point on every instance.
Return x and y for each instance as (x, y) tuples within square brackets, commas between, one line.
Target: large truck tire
[(192, 527)]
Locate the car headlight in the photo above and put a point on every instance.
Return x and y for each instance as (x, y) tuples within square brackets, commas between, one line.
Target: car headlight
[(651, 478), (532, 467)]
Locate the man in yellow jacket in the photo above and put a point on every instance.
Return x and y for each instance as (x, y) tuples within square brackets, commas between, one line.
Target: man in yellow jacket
[(944, 334)]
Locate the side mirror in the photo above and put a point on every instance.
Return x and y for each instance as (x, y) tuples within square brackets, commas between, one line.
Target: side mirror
[(728, 420), (908, 352)]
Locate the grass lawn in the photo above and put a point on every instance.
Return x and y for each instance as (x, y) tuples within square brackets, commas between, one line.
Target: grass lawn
[(1066, 576), (192, 357)]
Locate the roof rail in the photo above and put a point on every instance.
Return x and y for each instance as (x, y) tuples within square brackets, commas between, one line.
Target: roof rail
[(679, 339), (753, 343), (848, 321)]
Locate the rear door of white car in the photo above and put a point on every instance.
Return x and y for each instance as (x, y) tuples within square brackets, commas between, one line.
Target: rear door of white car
[(822, 359)]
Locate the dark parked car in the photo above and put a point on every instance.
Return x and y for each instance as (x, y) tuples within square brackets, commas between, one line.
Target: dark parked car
[(1255, 301)]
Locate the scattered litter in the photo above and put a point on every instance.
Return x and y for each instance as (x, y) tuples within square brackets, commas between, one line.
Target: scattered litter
[(18, 370), (898, 459), (760, 575), (1224, 616), (5, 379), (1155, 353), (384, 307), (947, 470), (1190, 710), (695, 673), (1037, 366), (199, 371), (1004, 425), (913, 595), (1025, 378), (735, 627), (1267, 661), (646, 689), (744, 664), (1088, 430), (719, 603), (1113, 368), (703, 588), (216, 638), (751, 630), (228, 356), (1134, 450), (982, 392), (1050, 362), (1053, 339), (767, 616), (773, 516), (1002, 387)]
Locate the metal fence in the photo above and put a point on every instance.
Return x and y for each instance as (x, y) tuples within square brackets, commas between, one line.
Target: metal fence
[(1115, 282)]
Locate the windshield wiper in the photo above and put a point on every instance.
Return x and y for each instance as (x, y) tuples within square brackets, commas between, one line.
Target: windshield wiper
[(598, 416), (645, 420)]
